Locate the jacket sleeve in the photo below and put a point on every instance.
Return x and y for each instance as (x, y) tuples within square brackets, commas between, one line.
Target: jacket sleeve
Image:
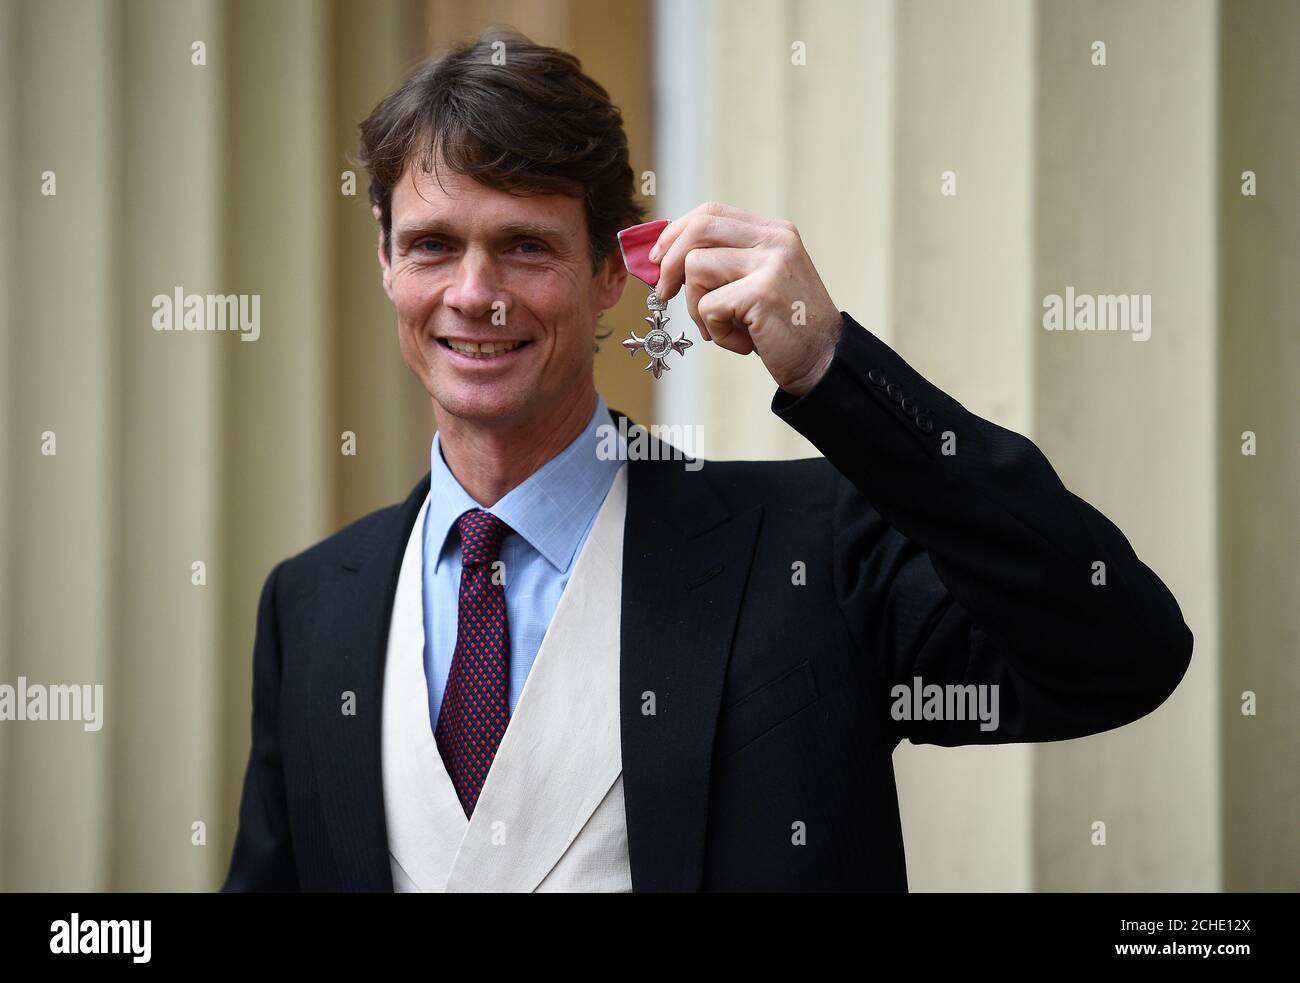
[(263, 858), (961, 559)]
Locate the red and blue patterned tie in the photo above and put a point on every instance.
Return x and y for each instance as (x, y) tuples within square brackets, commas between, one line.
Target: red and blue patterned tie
[(476, 704)]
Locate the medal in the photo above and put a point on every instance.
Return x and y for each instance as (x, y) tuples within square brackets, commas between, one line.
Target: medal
[(635, 245)]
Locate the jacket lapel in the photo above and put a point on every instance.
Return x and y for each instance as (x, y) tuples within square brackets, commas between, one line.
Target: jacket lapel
[(354, 602), (686, 558)]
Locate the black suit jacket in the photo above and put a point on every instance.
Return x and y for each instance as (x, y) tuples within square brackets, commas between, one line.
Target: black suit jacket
[(773, 697)]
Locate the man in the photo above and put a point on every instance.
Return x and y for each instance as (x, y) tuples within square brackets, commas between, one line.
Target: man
[(550, 669)]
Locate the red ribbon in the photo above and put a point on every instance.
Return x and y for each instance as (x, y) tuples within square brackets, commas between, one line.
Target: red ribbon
[(635, 244)]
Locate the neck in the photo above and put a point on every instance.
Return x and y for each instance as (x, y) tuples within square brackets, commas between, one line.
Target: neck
[(489, 461)]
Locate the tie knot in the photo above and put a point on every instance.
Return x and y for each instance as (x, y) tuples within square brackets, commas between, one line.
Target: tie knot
[(481, 534)]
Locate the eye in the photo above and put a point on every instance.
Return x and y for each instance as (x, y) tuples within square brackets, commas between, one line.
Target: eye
[(420, 246), (540, 247)]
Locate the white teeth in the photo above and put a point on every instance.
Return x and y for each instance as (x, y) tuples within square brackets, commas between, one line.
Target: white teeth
[(485, 350)]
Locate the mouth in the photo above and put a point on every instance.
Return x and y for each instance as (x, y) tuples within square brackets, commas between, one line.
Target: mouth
[(483, 351)]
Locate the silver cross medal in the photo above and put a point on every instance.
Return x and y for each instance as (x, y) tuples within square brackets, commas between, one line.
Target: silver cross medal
[(657, 342), (635, 244)]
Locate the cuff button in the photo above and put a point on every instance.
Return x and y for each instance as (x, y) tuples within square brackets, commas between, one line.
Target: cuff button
[(877, 377), (925, 423)]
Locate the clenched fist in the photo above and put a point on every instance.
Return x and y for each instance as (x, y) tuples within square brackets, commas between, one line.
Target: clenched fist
[(751, 287)]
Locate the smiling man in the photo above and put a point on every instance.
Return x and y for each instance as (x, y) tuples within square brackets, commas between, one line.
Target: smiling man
[(552, 670)]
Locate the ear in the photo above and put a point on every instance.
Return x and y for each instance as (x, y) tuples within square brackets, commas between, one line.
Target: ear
[(610, 280)]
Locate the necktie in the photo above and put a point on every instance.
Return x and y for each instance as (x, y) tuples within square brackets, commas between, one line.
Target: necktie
[(475, 705)]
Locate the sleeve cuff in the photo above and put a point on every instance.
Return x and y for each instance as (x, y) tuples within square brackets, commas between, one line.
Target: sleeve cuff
[(866, 375)]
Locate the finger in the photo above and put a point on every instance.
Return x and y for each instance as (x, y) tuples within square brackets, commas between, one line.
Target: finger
[(668, 235), (736, 340), (694, 291), (703, 231), (720, 310), (710, 267)]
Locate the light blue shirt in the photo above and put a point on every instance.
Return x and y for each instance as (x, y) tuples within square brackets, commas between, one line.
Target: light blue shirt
[(551, 514)]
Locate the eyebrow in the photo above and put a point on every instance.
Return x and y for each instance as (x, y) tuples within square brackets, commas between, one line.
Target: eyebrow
[(538, 230)]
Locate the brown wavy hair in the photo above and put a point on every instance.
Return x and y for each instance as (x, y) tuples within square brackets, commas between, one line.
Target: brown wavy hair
[(533, 125)]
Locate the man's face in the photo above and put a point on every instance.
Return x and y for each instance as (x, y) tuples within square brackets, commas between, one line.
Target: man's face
[(471, 266)]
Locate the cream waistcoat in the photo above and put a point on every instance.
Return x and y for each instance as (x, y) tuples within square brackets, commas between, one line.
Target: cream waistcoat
[(550, 815)]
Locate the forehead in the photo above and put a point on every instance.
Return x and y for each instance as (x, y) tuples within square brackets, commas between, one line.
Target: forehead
[(421, 197)]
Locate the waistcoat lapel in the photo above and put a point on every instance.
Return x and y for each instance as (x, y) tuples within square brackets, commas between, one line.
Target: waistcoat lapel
[(424, 816), (560, 756)]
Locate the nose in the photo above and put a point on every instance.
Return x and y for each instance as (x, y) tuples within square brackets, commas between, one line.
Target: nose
[(475, 287)]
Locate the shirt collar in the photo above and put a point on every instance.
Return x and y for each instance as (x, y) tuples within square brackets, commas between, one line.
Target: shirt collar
[(551, 509)]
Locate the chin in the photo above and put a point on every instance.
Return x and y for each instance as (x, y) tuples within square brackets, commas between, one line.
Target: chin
[(481, 402)]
